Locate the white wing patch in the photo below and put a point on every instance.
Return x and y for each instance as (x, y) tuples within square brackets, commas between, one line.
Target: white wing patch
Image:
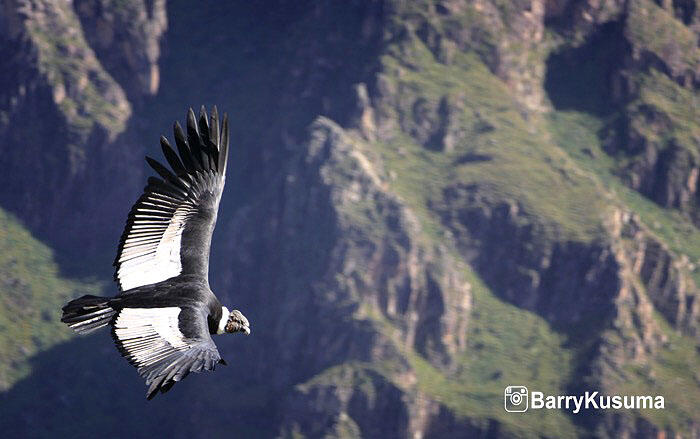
[(149, 334), (151, 251)]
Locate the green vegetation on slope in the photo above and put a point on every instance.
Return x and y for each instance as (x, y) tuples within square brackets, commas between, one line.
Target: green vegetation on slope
[(575, 133), (664, 35), (556, 170), (83, 90), (675, 112), (671, 373), (506, 346), (522, 163), (31, 296)]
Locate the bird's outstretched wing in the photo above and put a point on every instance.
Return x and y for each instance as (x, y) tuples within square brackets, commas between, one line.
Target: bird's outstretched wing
[(168, 231), (152, 339)]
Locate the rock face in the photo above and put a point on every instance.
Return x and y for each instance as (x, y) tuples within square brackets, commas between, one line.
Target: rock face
[(126, 38), (508, 38), (424, 204), (62, 62), (570, 283), (663, 274), (410, 283), (59, 94), (652, 87), (617, 280), (364, 261)]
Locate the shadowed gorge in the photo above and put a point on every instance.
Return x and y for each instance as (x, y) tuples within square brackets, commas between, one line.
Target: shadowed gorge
[(583, 78)]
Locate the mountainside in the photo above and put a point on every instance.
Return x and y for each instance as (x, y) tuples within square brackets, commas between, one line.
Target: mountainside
[(32, 294), (427, 202)]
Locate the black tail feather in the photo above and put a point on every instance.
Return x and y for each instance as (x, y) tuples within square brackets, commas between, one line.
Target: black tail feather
[(87, 313)]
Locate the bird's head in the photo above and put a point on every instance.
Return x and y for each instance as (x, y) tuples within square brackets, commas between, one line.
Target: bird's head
[(237, 323)]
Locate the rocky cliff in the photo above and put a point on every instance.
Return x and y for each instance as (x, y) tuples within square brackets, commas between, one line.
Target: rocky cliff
[(63, 91), (429, 201), (648, 87)]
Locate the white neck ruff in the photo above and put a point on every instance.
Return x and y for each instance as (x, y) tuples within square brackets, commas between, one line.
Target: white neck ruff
[(224, 319)]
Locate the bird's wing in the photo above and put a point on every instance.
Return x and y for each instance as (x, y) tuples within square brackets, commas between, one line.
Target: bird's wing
[(168, 231), (165, 344)]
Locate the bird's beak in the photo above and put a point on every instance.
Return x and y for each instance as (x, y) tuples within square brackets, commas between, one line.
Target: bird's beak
[(246, 329)]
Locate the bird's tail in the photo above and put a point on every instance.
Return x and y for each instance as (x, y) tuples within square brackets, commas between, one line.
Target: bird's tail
[(87, 313)]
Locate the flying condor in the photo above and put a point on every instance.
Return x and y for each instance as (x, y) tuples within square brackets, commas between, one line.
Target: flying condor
[(165, 313)]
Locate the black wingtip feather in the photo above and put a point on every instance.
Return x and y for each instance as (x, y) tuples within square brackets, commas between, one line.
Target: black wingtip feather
[(161, 170), (184, 150), (195, 141), (151, 392), (223, 155), (192, 130), (203, 122), (167, 386), (179, 184), (214, 128), (155, 181), (172, 158)]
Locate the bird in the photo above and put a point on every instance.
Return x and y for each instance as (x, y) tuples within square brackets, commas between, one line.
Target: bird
[(165, 313)]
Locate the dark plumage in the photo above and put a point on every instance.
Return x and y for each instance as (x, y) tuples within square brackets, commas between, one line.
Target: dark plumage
[(165, 313)]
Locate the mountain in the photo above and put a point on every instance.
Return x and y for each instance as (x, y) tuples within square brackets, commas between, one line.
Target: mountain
[(429, 201)]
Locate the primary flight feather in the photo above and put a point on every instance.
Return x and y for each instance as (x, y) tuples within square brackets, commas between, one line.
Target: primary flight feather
[(163, 318)]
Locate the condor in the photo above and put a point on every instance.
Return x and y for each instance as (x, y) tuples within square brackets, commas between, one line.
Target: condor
[(165, 313)]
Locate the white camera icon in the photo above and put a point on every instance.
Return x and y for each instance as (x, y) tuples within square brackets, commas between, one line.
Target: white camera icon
[(516, 399)]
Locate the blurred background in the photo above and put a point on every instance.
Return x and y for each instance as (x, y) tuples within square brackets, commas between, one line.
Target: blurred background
[(428, 201)]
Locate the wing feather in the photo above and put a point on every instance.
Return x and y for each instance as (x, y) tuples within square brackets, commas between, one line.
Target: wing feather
[(214, 135), (176, 210), (167, 175), (172, 158), (195, 142), (152, 340), (184, 149), (223, 145)]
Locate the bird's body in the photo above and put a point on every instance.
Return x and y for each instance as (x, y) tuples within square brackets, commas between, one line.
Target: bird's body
[(181, 291), (163, 318)]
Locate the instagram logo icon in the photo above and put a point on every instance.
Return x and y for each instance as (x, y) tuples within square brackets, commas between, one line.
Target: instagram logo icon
[(515, 399)]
